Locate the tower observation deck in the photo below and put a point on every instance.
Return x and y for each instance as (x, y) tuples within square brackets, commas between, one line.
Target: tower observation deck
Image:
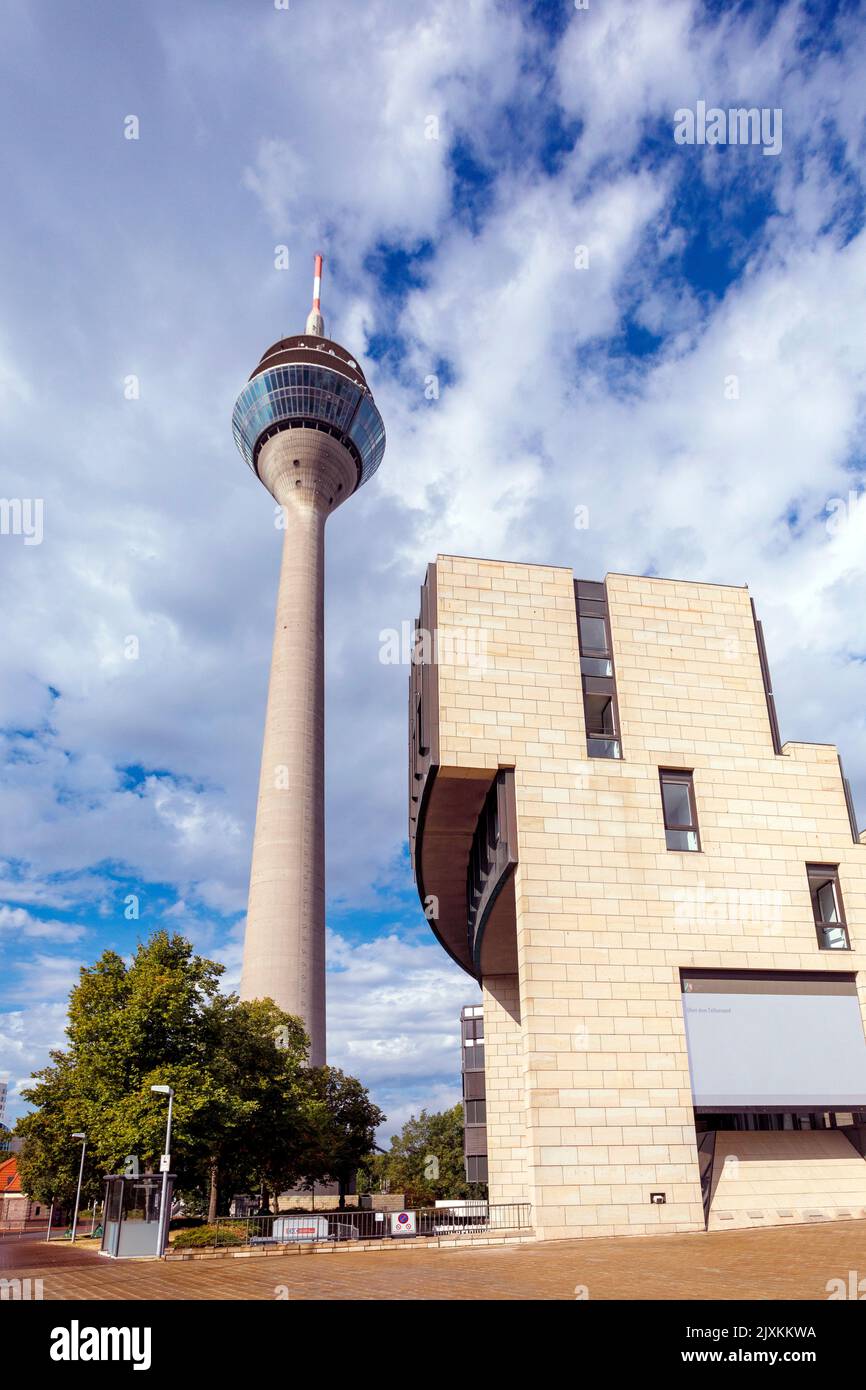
[(307, 426)]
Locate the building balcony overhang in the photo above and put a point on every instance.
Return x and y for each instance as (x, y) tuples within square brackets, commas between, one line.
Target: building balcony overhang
[(462, 826)]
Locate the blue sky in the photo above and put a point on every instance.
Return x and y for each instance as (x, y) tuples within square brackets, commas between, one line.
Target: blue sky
[(448, 159)]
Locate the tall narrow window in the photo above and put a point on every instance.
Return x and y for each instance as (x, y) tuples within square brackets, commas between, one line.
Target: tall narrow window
[(596, 670), (827, 907), (680, 810)]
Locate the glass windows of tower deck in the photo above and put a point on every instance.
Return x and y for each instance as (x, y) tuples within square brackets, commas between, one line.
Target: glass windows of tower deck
[(596, 671), (680, 811), (827, 907)]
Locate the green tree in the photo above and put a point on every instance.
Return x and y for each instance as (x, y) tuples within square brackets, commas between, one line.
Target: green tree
[(259, 1055), (425, 1159), (242, 1108), (373, 1176), (346, 1122)]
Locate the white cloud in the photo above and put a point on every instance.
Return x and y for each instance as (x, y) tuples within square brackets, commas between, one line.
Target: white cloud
[(394, 1020), (26, 1038), (155, 529), (41, 978), (393, 1016), (18, 922)]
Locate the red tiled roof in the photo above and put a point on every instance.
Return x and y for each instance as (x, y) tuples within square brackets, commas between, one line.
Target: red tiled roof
[(9, 1179)]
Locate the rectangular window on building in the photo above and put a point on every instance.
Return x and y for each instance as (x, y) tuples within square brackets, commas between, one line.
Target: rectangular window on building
[(473, 1085), (476, 1168), (593, 635), (596, 666), (476, 1112), (596, 670), (680, 810), (827, 907), (600, 716)]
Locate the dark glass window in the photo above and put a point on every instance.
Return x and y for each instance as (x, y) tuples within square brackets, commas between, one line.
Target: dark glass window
[(600, 718), (593, 635), (601, 730), (596, 671), (114, 1201), (596, 666), (476, 1168), (680, 811), (473, 1029), (827, 909)]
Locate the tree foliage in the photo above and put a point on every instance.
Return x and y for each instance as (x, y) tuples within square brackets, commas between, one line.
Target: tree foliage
[(425, 1160), (346, 1124), (248, 1114)]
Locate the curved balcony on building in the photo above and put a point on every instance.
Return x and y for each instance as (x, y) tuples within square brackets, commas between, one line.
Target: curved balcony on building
[(491, 923), (462, 827), (310, 383)]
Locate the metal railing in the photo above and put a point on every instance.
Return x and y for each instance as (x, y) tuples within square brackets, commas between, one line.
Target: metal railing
[(36, 1227), (469, 1219)]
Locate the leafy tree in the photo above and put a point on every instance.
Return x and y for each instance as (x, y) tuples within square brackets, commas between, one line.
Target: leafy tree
[(48, 1162), (242, 1107), (346, 1124), (426, 1159), (259, 1056)]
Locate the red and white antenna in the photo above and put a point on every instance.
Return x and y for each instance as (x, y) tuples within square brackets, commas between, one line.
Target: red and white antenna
[(315, 322)]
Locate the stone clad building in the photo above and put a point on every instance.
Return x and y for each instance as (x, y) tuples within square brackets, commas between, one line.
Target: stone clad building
[(664, 904)]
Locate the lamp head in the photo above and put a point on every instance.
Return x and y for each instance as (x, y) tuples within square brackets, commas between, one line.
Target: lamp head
[(163, 1090)]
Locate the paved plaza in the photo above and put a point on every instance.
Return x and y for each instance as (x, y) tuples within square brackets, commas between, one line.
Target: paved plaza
[(784, 1263)]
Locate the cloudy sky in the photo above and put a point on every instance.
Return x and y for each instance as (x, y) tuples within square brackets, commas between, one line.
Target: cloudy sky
[(670, 335)]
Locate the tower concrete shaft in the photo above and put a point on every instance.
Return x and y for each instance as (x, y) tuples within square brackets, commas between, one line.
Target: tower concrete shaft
[(284, 947), (307, 425)]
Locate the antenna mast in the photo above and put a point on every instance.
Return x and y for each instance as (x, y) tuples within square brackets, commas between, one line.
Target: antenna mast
[(315, 323)]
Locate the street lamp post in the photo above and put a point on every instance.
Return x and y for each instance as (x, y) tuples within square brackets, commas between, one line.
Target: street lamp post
[(166, 1158), (83, 1138)]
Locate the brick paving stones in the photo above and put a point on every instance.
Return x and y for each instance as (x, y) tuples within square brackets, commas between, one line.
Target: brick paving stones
[(783, 1263)]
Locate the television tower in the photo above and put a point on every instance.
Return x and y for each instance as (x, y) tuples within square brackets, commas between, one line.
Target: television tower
[(308, 428)]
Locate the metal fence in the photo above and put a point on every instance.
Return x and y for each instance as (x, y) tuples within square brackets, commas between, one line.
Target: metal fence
[(472, 1219), (36, 1227)]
